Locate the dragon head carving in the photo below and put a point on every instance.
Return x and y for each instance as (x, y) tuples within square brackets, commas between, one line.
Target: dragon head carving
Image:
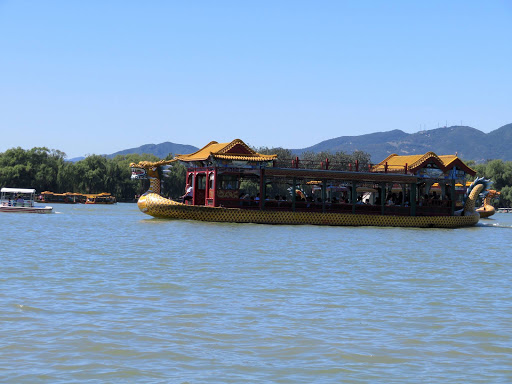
[(150, 170)]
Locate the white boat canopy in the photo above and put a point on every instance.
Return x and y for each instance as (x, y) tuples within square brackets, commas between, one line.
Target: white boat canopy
[(17, 190)]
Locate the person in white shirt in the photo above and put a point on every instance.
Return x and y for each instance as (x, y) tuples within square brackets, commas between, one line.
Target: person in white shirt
[(188, 194)]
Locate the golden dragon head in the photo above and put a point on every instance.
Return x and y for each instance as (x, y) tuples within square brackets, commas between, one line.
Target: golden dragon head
[(150, 170)]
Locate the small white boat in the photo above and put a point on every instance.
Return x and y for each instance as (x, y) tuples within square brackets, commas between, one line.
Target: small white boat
[(21, 201)]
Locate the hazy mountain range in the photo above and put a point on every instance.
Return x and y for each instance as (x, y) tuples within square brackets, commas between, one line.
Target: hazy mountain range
[(159, 150), (469, 143)]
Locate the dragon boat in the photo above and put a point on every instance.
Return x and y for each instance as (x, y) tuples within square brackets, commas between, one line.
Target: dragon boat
[(230, 182), (487, 209)]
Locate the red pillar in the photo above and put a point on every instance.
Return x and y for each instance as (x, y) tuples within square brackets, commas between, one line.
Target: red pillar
[(207, 187), (194, 191), (215, 187), (262, 178)]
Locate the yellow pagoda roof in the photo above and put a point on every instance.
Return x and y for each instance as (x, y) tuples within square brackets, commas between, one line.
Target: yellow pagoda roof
[(448, 159), (395, 160), (413, 162), (235, 150)]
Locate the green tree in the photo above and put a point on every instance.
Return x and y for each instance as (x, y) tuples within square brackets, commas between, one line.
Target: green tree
[(506, 196), (91, 170), (67, 178), (36, 168), (280, 152), (499, 172)]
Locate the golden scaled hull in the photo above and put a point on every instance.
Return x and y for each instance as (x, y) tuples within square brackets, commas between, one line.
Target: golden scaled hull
[(158, 206)]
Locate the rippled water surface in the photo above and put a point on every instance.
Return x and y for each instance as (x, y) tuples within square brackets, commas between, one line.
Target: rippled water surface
[(108, 294)]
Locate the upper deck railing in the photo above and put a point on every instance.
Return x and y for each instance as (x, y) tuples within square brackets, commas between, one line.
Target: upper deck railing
[(355, 166)]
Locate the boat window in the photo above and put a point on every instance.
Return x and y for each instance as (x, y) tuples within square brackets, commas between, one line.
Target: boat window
[(211, 179), (228, 182)]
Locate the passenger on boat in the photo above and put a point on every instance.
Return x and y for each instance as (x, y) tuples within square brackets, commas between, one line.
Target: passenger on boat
[(244, 199), (188, 194)]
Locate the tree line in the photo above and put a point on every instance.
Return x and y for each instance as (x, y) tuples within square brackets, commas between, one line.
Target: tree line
[(47, 170)]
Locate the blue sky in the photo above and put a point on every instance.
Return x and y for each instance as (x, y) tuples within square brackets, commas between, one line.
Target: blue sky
[(95, 77)]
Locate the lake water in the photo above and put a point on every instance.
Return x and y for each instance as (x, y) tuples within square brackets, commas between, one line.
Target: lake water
[(106, 294)]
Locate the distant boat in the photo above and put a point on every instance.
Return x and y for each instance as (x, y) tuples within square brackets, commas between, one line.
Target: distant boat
[(21, 201), (100, 198), (61, 198), (74, 198)]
